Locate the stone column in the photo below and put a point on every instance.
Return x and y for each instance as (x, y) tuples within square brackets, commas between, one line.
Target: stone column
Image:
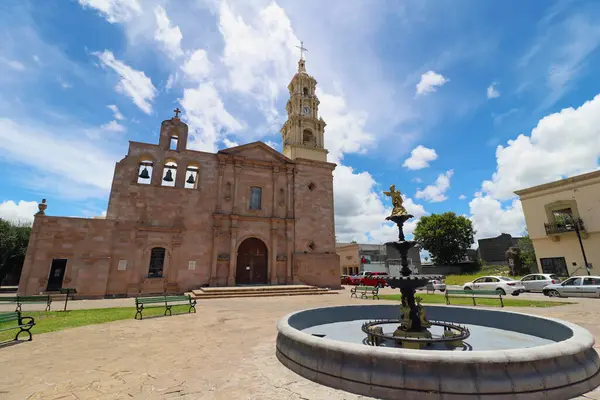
[(157, 171), (232, 257), (29, 262), (221, 169), (180, 176), (213, 281), (275, 174), (289, 235), (236, 183), (273, 254), (290, 194)]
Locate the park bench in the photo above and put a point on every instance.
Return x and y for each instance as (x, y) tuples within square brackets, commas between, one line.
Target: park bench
[(165, 301), (20, 300), (474, 294), (14, 320), (363, 290)]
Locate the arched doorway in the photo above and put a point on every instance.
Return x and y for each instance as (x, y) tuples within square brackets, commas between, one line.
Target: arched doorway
[(252, 265)]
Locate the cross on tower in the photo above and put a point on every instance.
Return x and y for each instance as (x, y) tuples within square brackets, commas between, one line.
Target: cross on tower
[(177, 112), (302, 50)]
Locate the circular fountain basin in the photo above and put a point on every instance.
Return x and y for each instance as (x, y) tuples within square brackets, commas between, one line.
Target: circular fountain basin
[(511, 355)]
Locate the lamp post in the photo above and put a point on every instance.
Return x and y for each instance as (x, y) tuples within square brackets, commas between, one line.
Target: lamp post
[(578, 233)]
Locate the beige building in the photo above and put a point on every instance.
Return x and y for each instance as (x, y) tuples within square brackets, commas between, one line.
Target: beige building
[(553, 213), (349, 258), (178, 219)]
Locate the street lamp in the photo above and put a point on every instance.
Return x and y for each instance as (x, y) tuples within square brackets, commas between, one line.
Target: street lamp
[(578, 233)]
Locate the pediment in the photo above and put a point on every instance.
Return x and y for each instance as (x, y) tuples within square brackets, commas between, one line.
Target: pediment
[(256, 151)]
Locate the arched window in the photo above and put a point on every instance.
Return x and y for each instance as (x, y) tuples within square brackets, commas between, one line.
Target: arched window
[(191, 181), (157, 262), (169, 174), (305, 91), (145, 172), (308, 139)]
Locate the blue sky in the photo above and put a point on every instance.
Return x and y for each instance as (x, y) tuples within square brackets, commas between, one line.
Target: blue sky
[(458, 103)]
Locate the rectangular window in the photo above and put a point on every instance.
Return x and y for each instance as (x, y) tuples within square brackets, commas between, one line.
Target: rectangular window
[(554, 265), (255, 198)]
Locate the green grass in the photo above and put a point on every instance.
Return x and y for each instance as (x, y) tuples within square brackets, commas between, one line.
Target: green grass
[(51, 321), (441, 299)]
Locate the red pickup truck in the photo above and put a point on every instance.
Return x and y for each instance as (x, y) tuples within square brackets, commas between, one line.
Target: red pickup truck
[(374, 279)]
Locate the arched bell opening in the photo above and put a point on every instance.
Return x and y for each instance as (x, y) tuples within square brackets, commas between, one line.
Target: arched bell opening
[(145, 168), (191, 173), (169, 174), (308, 139)]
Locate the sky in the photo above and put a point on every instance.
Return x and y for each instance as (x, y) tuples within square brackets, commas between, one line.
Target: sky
[(458, 103)]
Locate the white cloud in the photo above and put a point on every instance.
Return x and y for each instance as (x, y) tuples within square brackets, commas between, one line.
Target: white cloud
[(492, 92), (169, 36), (462, 197), (430, 81), (207, 117), (133, 83), (273, 145), (16, 65), (197, 66), (113, 126), (115, 10), (436, 192), (117, 114), (420, 157), (229, 143), (345, 131), (562, 144), (64, 84), (490, 218), (64, 163), (21, 212)]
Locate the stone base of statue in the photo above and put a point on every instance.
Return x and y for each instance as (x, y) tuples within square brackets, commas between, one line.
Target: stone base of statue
[(424, 334)]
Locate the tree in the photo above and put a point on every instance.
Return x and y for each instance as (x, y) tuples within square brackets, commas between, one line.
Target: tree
[(14, 239), (527, 253), (447, 237)]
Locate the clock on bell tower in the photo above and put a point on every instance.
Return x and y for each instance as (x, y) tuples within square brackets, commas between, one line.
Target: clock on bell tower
[(303, 132)]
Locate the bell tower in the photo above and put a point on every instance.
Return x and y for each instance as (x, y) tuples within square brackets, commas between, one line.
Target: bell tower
[(302, 134)]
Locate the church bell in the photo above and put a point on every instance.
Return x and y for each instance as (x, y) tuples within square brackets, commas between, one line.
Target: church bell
[(168, 176), (144, 174), (191, 180)]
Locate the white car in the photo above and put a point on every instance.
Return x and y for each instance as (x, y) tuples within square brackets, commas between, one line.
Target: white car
[(537, 282), (436, 284), (575, 286), (500, 284)]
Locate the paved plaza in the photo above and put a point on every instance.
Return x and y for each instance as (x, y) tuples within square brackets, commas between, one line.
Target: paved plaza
[(225, 351)]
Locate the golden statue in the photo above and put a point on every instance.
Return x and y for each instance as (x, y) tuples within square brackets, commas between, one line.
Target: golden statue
[(396, 196)]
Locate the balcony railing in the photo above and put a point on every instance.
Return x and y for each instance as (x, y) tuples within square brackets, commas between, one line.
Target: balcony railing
[(562, 227)]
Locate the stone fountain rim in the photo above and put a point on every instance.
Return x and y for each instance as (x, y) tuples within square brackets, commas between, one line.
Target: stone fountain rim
[(580, 340)]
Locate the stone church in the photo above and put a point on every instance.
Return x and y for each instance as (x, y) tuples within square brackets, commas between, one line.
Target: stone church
[(180, 219)]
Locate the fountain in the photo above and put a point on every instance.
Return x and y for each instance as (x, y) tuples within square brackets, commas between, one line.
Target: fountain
[(437, 352)]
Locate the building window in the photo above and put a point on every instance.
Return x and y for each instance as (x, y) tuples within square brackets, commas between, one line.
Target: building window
[(157, 262), (563, 216), (173, 143), (308, 139), (192, 178), (554, 265), (170, 174), (305, 91), (255, 198)]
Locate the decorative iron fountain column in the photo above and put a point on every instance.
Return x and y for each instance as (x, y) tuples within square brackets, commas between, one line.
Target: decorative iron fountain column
[(414, 322)]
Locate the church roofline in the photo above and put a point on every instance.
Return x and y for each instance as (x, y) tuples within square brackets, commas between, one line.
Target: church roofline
[(260, 144)]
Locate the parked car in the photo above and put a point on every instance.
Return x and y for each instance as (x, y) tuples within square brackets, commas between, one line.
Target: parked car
[(500, 284), (345, 280), (436, 284), (354, 280), (575, 286), (374, 279), (537, 282)]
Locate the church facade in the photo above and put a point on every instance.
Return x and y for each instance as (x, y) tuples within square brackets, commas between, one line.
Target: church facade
[(179, 219)]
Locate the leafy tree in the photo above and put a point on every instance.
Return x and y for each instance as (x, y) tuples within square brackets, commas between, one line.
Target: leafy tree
[(353, 241), (447, 237), (527, 253), (14, 239)]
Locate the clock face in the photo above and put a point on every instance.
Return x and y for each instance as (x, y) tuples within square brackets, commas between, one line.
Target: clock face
[(306, 110)]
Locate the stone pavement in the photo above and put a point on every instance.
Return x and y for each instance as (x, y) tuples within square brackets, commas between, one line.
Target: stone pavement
[(225, 351)]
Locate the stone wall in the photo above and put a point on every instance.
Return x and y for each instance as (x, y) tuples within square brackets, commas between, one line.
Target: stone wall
[(317, 269)]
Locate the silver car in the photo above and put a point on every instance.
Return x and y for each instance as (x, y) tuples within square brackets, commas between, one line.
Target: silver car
[(537, 282), (575, 286)]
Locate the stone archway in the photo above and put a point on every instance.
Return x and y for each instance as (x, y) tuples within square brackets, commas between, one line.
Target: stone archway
[(252, 262)]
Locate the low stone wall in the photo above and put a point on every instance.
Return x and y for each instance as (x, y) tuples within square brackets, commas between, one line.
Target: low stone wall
[(561, 370)]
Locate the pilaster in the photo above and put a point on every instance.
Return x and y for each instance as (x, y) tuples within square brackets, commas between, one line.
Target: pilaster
[(233, 232), (221, 169), (273, 261), (237, 171), (213, 281)]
